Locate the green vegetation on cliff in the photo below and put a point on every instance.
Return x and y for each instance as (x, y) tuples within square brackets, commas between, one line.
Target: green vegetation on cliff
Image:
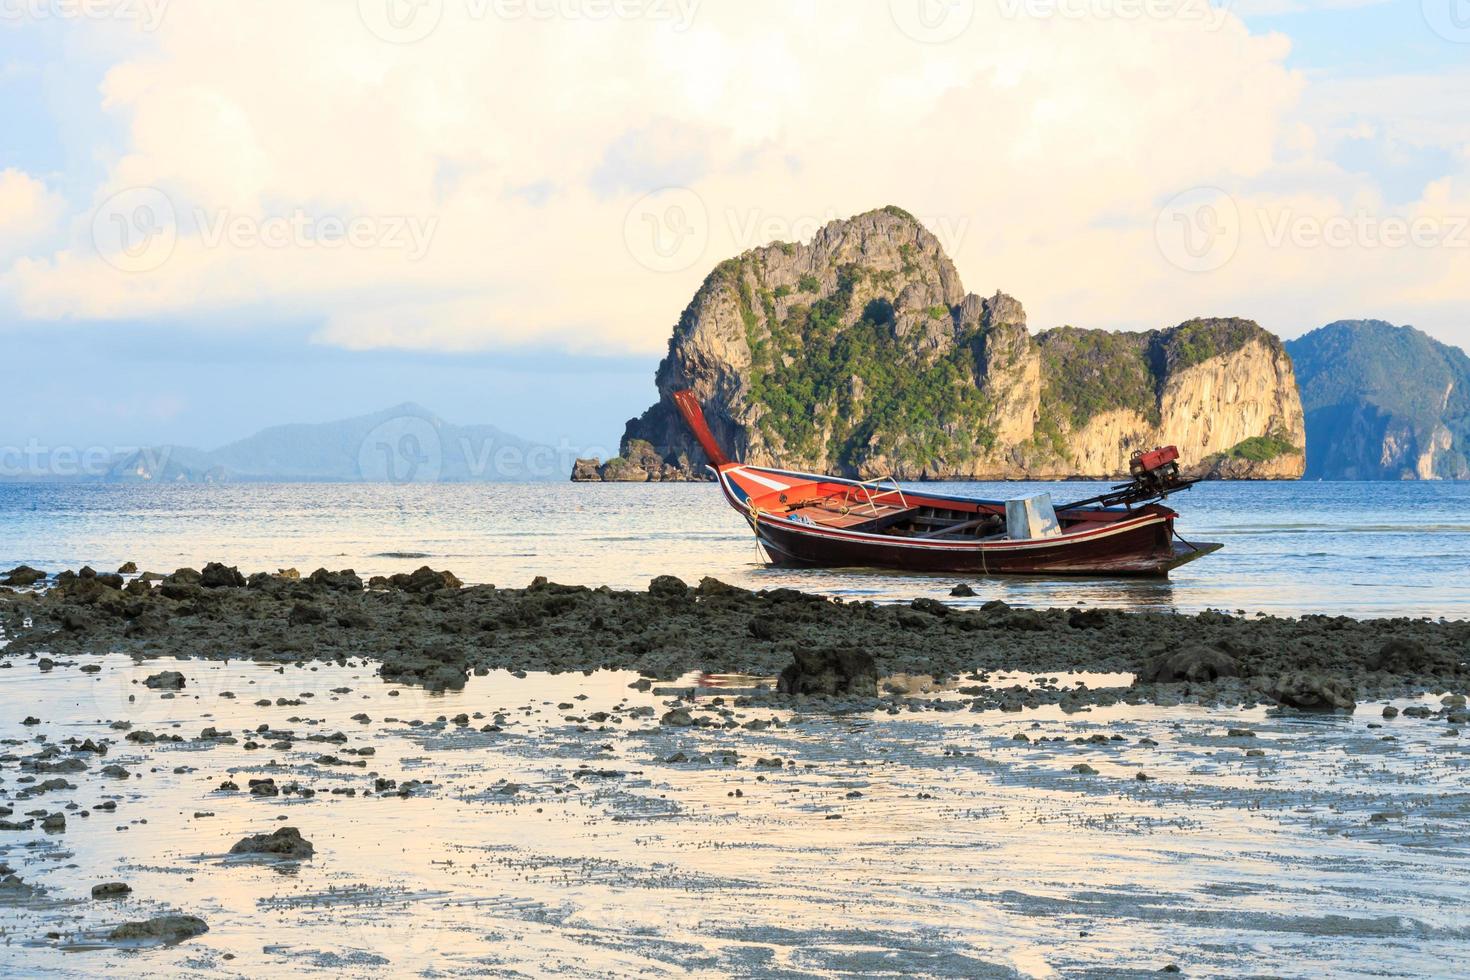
[(1263, 449), (826, 376), (1089, 372)]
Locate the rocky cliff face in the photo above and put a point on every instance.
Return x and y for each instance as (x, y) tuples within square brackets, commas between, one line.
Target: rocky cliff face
[(862, 354), (1383, 403)]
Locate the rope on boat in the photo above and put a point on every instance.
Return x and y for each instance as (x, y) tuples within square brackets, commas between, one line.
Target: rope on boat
[(754, 514)]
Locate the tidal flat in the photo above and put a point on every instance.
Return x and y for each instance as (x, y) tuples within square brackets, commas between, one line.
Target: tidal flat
[(653, 809)]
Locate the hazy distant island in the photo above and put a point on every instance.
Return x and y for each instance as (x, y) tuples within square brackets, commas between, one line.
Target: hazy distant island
[(1383, 403), (862, 354), (403, 444)]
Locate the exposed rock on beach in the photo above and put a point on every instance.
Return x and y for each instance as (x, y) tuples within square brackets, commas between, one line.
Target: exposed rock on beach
[(427, 629)]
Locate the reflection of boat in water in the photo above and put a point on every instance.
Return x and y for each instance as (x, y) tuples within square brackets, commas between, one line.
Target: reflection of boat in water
[(815, 520)]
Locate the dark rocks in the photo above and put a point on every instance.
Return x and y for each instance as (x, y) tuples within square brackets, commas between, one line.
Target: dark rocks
[(422, 580), (714, 587), (438, 668), (23, 575), (1312, 691), (668, 587), (306, 615), (1405, 655), (842, 670), (962, 591), (127, 568), (286, 842), (163, 929), (1196, 664), (1084, 619), (111, 889), (678, 718), (169, 680), (343, 581), (180, 591), (931, 606), (218, 576)]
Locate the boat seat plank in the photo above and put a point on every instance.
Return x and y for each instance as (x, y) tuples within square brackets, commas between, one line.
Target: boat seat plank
[(861, 517)]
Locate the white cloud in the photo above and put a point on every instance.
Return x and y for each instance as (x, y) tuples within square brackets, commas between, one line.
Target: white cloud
[(28, 212), (1044, 146)]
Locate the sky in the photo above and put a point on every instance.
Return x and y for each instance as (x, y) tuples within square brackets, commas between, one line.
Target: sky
[(217, 215)]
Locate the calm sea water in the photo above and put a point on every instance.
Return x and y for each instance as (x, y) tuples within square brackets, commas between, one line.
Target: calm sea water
[(1362, 549)]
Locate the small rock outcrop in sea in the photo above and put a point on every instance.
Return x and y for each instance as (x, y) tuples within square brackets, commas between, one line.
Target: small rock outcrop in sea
[(23, 575), (862, 354), (1311, 690), (639, 462), (168, 680), (160, 929), (285, 842), (845, 670)]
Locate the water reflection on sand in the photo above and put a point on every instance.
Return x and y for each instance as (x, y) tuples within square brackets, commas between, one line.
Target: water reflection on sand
[(922, 842)]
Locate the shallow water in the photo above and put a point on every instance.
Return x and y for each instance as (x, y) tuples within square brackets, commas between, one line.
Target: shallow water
[(923, 842), (1361, 549)]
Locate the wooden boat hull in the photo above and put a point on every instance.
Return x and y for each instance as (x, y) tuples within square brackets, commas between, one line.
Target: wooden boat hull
[(1133, 543), (1146, 549)]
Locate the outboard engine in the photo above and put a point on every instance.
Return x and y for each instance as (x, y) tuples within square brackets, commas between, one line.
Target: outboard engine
[(1156, 471)]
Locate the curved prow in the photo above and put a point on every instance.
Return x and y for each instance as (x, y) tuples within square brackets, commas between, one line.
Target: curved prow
[(694, 418)]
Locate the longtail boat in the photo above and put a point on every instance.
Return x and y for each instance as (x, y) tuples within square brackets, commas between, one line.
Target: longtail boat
[(815, 520)]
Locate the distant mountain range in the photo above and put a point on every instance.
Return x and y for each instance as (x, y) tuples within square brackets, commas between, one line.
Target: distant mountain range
[(403, 444), (1383, 403)]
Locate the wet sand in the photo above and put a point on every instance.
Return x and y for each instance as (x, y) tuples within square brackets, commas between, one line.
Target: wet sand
[(969, 818)]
